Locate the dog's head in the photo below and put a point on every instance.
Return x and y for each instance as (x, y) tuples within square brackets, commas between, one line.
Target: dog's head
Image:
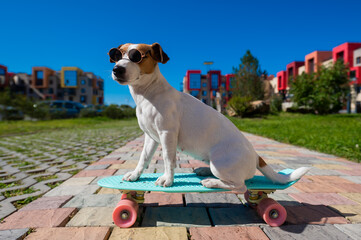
[(132, 61)]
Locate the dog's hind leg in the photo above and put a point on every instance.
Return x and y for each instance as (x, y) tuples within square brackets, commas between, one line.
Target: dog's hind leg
[(231, 168), (147, 153), (217, 183)]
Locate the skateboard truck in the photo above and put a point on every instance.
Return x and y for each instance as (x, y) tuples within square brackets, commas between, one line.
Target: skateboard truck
[(273, 213)]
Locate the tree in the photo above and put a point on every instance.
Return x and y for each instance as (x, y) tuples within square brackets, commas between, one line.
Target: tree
[(323, 91), (248, 80)]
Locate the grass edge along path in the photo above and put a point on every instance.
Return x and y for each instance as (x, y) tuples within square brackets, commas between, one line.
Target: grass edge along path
[(337, 134), (9, 128)]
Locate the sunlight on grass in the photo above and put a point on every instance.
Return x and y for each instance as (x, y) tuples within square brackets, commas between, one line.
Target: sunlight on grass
[(333, 134)]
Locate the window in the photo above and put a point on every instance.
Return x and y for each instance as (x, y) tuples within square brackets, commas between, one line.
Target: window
[(83, 99), (90, 82), (311, 65), (71, 91), (50, 82), (358, 60), (352, 75), (2, 76), (214, 81), (204, 84), (279, 82), (70, 78), (69, 105), (194, 81), (57, 105), (339, 56), (51, 91), (83, 90), (194, 93), (204, 93), (39, 78), (204, 100), (83, 82)]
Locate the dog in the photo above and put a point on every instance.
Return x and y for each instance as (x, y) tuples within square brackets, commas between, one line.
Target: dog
[(178, 121)]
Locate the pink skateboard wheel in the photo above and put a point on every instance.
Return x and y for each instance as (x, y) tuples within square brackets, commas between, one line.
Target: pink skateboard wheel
[(273, 213), (125, 213)]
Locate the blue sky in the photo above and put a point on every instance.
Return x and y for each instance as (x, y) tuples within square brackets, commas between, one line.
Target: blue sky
[(80, 33)]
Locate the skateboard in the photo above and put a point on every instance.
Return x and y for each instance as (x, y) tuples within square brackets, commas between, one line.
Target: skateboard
[(125, 213)]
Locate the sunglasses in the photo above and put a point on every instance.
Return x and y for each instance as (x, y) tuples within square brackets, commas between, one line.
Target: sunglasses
[(134, 55)]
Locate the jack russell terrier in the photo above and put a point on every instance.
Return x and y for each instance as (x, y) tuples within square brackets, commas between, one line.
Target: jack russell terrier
[(177, 120)]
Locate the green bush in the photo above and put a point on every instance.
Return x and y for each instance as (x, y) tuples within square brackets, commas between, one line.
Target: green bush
[(88, 113), (324, 91), (58, 114), (128, 111), (113, 111), (240, 105), (276, 104), (10, 113)]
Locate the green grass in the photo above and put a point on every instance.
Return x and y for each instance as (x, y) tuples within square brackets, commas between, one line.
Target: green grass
[(20, 127), (338, 134)]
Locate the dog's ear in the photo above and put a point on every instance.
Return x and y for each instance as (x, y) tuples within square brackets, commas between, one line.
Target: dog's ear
[(158, 54), (114, 54)]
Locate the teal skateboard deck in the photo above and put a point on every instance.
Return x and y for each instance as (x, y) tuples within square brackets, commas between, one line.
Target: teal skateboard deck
[(186, 182), (125, 213)]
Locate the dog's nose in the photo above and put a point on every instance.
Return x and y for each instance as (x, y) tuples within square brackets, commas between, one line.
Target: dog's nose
[(119, 71)]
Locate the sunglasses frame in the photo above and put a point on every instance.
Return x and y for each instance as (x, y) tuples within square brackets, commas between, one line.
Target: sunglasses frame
[(142, 55)]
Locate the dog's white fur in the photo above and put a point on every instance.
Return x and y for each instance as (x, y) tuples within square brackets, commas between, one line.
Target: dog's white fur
[(179, 121)]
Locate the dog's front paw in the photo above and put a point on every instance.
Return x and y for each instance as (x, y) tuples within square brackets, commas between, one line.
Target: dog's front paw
[(131, 176), (164, 181)]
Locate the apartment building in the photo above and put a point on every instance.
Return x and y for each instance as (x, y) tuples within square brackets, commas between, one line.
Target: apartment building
[(349, 53), (211, 88), (71, 83)]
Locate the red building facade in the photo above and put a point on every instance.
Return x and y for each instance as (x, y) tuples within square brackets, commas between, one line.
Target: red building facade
[(345, 53), (205, 87), (292, 71)]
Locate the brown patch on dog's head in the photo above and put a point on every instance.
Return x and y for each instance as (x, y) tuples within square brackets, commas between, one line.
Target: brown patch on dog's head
[(153, 55)]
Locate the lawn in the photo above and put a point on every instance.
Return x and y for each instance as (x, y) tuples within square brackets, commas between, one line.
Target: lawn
[(337, 134), (8, 128)]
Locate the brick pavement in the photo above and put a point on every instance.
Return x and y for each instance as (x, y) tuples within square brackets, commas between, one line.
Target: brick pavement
[(31, 165), (325, 204)]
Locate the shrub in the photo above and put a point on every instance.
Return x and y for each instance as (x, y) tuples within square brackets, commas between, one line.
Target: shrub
[(240, 105), (113, 111), (128, 111), (324, 91), (88, 113), (276, 104)]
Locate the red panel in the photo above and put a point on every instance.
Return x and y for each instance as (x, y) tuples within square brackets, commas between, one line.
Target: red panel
[(347, 50), (358, 75), (281, 79), (295, 66), (228, 81), (189, 72)]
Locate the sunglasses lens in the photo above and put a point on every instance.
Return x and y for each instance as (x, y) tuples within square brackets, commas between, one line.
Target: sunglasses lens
[(115, 54), (135, 55)]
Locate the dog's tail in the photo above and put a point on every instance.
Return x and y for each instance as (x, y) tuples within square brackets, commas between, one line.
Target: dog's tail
[(277, 177)]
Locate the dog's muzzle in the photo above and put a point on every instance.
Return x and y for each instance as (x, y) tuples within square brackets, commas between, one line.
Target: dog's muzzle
[(119, 73)]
